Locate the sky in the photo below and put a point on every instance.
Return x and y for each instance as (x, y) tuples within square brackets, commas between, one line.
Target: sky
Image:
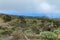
[(50, 8)]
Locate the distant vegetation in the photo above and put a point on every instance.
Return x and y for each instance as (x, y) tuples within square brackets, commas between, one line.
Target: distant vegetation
[(26, 27)]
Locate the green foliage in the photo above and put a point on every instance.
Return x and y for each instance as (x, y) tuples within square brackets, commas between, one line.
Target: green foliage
[(6, 18), (46, 35), (22, 19), (34, 29), (1, 31), (8, 31), (57, 32), (35, 36), (37, 26)]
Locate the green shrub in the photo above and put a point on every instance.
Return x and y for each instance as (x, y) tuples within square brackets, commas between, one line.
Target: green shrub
[(34, 36), (1, 31), (6, 18), (35, 30), (57, 32), (46, 35)]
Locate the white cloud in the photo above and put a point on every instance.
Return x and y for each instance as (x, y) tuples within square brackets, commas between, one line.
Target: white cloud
[(45, 6), (26, 5)]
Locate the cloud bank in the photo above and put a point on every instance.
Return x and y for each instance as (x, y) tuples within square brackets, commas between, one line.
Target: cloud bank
[(48, 7)]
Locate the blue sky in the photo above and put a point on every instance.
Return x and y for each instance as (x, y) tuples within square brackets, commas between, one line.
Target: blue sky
[(50, 8)]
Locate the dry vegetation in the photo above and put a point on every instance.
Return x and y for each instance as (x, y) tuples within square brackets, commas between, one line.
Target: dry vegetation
[(29, 28)]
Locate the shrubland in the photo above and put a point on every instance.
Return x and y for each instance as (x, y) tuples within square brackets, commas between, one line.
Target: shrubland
[(43, 28)]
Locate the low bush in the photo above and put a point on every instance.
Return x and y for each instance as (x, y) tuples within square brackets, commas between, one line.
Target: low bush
[(46, 35)]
